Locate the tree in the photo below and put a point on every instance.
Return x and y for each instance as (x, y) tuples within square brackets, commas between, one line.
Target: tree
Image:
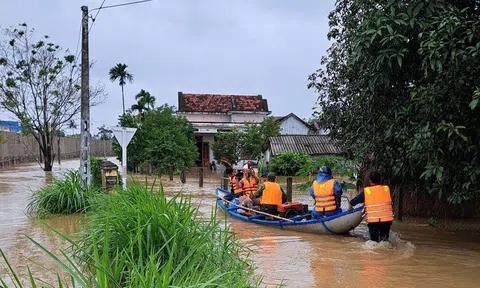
[(255, 135), (104, 133), (401, 81), (226, 147), (40, 84), (146, 99), (120, 72), (162, 139)]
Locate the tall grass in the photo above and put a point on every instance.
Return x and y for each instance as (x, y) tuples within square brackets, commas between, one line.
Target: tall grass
[(61, 197), (157, 242), (136, 238)]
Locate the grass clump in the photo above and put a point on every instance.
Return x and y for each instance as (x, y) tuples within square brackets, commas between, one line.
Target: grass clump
[(61, 197), (150, 241), (136, 238)]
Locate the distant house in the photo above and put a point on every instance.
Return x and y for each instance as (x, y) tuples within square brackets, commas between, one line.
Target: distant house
[(291, 124), (10, 126), (313, 145), (210, 114)]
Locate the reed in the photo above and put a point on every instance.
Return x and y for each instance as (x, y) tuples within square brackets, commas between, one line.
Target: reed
[(61, 197)]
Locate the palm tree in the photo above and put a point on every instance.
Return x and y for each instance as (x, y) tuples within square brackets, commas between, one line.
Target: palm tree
[(140, 107), (120, 72), (146, 98), (72, 125)]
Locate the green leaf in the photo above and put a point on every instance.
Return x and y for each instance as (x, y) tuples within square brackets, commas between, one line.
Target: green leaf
[(399, 60), (389, 28), (474, 104)]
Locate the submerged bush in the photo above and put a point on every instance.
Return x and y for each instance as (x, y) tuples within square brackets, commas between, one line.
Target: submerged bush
[(61, 197), (150, 241)]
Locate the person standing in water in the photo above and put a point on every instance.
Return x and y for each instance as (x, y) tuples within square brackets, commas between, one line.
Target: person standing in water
[(326, 192), (378, 207)]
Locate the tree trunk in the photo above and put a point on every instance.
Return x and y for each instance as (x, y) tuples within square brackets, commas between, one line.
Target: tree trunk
[(123, 101), (58, 147), (48, 159)]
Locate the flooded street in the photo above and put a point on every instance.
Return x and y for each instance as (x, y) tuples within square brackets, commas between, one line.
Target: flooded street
[(418, 256)]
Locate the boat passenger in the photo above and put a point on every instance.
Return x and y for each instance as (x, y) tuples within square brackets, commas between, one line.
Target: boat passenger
[(235, 190), (327, 193), (247, 184), (264, 177), (271, 195), (254, 180), (378, 207)]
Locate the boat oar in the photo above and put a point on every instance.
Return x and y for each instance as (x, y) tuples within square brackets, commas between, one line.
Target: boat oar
[(256, 211)]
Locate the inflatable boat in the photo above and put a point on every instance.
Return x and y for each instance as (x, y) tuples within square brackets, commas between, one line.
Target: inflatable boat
[(339, 223)]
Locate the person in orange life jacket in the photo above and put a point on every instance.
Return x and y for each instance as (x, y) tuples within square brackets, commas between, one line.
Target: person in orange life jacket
[(252, 201), (254, 180), (247, 184), (327, 194), (235, 190), (272, 195), (378, 207)]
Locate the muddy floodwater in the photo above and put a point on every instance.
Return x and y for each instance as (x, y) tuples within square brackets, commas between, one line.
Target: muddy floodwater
[(419, 256)]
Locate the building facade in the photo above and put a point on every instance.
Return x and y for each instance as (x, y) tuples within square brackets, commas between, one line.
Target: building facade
[(210, 114), (294, 125)]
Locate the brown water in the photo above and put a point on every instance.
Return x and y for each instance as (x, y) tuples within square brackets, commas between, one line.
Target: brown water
[(419, 256)]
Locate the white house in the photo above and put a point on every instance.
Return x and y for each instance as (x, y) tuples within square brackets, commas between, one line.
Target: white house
[(210, 114), (294, 125)]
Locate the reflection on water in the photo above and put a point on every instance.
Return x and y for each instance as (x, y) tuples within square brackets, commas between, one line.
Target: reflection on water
[(417, 256)]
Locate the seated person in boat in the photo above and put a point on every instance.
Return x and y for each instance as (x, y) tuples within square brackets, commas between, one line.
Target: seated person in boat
[(249, 183), (235, 189), (327, 194), (270, 195)]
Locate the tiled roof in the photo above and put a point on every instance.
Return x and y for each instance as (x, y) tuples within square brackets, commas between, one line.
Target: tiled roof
[(311, 144), (216, 103)]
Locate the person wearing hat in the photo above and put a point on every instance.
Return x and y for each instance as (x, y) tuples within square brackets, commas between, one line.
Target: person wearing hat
[(327, 193), (270, 194), (264, 177)]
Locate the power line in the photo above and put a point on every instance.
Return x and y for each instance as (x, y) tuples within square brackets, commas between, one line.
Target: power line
[(124, 4), (96, 15)]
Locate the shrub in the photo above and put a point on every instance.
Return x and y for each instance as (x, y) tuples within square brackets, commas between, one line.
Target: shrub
[(96, 171), (61, 197), (288, 163), (149, 238)]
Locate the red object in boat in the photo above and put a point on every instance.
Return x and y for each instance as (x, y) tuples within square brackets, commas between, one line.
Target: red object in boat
[(297, 206)]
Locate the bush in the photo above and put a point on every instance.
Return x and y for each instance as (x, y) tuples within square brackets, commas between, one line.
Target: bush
[(288, 163), (96, 171), (61, 197), (150, 241)]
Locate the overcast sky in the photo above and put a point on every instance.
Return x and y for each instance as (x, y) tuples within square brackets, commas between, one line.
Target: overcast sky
[(197, 46)]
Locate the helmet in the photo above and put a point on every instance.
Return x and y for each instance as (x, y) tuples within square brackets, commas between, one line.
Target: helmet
[(325, 170)]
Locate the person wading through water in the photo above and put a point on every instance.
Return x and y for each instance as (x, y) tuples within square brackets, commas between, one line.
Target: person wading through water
[(378, 207)]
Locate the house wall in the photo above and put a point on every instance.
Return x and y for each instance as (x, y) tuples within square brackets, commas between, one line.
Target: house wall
[(248, 117), (291, 126), (206, 117)]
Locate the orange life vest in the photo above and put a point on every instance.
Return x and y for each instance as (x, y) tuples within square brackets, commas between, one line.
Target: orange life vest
[(378, 204), (254, 182), (234, 182), (272, 194), (248, 187), (324, 196)]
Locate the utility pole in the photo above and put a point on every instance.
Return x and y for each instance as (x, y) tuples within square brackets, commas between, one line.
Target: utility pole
[(85, 105)]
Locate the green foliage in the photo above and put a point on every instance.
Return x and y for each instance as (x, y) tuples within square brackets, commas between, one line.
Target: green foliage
[(61, 197), (339, 165), (255, 135), (155, 242), (38, 85), (137, 238), (401, 81), (104, 133), (162, 139), (226, 147), (433, 222), (96, 171), (236, 145), (288, 163)]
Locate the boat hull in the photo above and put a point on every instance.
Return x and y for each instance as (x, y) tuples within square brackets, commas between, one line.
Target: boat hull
[(339, 223)]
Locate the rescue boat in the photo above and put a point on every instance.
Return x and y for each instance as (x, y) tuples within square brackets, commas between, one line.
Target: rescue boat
[(339, 223)]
